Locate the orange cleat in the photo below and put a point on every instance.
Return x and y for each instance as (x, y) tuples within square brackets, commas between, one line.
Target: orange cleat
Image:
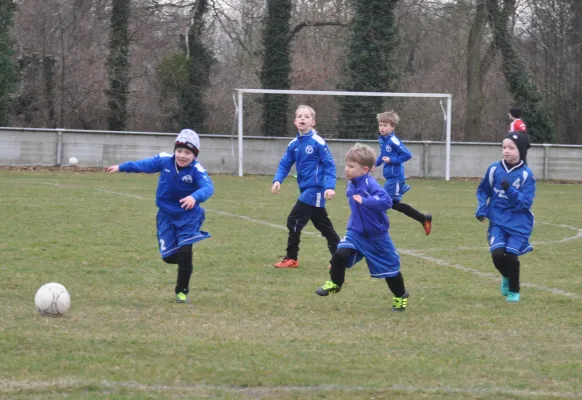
[(427, 224), (287, 263)]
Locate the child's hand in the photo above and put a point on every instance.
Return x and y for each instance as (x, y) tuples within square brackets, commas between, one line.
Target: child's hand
[(329, 193), (276, 188), (357, 198), (188, 203), (113, 169), (386, 159), (481, 218)]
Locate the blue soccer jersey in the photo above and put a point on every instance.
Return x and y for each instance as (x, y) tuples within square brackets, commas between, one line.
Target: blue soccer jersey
[(509, 211), (316, 171)]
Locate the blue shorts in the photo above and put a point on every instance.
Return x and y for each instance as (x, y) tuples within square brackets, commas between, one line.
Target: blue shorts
[(396, 188), (381, 256), (497, 238), (175, 232)]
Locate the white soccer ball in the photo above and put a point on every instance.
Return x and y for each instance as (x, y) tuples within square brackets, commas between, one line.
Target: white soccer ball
[(52, 299), (73, 161)]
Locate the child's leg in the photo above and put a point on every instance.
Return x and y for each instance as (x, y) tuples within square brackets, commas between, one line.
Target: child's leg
[(339, 262), (409, 211), (323, 224), (396, 285), (184, 258), (500, 261), (512, 266), (296, 221)]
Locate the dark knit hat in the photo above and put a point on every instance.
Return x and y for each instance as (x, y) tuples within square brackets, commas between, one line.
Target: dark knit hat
[(521, 141), (188, 139), (515, 112)]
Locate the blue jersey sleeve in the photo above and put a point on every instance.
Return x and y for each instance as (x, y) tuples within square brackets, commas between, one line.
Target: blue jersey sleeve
[(328, 165), (148, 165), (522, 198), (402, 153), (378, 200), (379, 159), (484, 193), (285, 164), (205, 186)]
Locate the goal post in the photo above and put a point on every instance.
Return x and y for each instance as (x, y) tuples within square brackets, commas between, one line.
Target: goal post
[(445, 111)]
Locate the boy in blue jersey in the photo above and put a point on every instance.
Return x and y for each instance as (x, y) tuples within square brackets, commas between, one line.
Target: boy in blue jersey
[(505, 197), (367, 232), (393, 154), (316, 178), (182, 186)]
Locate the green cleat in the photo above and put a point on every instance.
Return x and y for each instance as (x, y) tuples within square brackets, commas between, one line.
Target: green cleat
[(504, 286), (513, 297), (181, 298), (327, 288), (399, 303)]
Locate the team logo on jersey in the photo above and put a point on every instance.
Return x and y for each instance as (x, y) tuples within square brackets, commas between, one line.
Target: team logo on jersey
[(187, 179), (388, 148), (309, 149)]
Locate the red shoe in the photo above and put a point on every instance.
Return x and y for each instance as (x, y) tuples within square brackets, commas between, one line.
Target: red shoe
[(427, 224), (287, 263)]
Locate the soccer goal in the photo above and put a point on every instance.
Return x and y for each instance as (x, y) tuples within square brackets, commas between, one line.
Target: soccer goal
[(350, 116)]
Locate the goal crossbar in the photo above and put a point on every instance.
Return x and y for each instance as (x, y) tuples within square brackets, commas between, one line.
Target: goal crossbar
[(447, 114)]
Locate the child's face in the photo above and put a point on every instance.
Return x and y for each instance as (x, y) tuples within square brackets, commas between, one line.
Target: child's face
[(385, 128), (353, 169), (510, 151), (184, 157), (304, 121)]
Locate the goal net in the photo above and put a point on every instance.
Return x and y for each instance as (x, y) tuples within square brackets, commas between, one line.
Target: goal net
[(425, 120)]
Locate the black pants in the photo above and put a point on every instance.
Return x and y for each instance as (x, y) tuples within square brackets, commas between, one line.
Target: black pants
[(300, 215), (340, 261)]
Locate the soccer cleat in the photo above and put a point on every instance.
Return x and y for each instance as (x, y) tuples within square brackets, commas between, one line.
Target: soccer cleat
[(504, 286), (327, 288), (513, 297), (287, 263), (399, 303), (427, 224), (181, 298)]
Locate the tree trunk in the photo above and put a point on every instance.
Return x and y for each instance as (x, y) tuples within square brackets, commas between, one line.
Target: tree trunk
[(118, 66)]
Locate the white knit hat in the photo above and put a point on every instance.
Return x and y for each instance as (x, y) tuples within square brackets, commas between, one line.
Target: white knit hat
[(188, 139)]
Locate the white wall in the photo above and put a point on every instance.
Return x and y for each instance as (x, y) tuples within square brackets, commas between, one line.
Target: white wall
[(218, 153)]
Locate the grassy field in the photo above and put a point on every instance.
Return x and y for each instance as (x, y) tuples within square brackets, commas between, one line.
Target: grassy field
[(253, 331)]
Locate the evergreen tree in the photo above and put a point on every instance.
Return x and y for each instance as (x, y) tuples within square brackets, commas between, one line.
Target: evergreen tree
[(192, 107), (371, 67), (118, 66), (7, 65), (276, 66)]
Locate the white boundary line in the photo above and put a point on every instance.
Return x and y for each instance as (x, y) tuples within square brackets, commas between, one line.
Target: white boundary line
[(413, 253), (7, 386)]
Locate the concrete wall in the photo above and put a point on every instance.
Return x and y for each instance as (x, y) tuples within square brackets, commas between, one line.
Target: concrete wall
[(219, 153)]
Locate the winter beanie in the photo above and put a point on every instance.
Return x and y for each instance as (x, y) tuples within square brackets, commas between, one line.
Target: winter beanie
[(188, 139)]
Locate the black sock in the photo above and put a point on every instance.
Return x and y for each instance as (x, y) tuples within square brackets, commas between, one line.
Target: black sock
[(409, 211), (512, 265), (499, 260), (184, 269), (396, 285)]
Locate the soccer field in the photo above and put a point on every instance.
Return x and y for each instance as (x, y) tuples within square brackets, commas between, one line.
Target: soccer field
[(254, 331)]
